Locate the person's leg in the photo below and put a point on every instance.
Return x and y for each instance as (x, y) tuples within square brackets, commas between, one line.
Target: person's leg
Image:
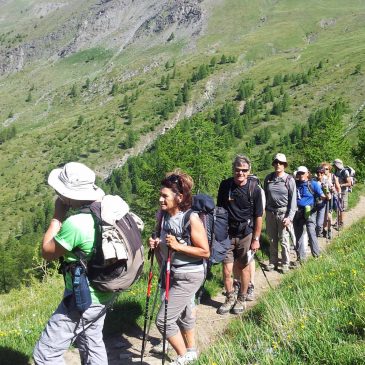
[(227, 276), (312, 237), (90, 342), (182, 288), (284, 237), (298, 225), (243, 266), (57, 336), (272, 232), (228, 282), (320, 220)]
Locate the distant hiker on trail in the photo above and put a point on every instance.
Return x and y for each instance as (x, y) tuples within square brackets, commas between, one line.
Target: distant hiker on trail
[(241, 197), (75, 187), (309, 192), (189, 247), (281, 205), (344, 180), (331, 180)]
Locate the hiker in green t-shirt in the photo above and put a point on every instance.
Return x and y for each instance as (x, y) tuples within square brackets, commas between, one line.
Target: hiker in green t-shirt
[(75, 187)]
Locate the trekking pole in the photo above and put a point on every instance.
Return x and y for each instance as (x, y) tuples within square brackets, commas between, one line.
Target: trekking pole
[(262, 269), (154, 302), (167, 287), (151, 255)]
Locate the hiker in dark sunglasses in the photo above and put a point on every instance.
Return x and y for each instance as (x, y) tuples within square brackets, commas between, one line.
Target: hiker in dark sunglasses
[(241, 197), (281, 205)]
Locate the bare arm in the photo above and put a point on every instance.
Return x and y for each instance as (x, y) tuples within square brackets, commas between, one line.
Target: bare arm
[(51, 250), (255, 244), (199, 247)]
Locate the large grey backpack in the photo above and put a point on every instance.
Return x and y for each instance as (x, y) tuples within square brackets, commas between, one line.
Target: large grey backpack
[(117, 260)]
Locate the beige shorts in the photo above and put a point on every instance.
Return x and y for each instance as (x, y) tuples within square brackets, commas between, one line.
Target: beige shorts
[(238, 250)]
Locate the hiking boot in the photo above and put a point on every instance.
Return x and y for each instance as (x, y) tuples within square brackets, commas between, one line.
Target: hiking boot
[(228, 304), (240, 304), (295, 264), (158, 349), (250, 296), (285, 269), (270, 267), (236, 287)]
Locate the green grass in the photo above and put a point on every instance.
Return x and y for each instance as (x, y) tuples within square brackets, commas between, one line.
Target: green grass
[(316, 316)]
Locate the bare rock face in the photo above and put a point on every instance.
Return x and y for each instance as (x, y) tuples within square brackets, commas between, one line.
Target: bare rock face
[(113, 24)]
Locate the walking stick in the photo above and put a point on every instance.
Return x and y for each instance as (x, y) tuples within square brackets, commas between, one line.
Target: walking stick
[(151, 255), (262, 269), (168, 264)]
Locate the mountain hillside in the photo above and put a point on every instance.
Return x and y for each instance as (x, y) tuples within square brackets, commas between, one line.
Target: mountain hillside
[(99, 81)]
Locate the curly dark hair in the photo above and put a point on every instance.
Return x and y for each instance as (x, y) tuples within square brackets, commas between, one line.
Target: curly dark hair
[(180, 183)]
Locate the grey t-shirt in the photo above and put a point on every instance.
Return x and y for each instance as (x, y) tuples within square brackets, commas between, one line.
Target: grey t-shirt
[(180, 262), (281, 194)]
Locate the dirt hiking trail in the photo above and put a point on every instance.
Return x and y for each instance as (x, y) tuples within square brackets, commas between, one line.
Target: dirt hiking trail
[(125, 349)]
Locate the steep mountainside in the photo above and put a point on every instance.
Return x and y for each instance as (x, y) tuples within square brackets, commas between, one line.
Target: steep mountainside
[(49, 31), (97, 81)]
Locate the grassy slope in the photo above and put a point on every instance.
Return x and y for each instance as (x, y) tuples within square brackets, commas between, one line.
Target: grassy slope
[(268, 38), (24, 312)]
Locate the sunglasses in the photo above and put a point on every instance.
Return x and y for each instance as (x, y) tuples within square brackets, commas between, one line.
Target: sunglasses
[(175, 180), (300, 173), (277, 162), (241, 170), (326, 168)]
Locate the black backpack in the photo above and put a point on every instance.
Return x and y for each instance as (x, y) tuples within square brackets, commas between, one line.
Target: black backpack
[(215, 221)]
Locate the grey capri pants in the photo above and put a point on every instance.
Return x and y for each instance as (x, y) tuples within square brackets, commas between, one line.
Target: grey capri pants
[(179, 310)]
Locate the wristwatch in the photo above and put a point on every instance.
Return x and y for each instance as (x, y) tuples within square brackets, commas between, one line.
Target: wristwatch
[(256, 239)]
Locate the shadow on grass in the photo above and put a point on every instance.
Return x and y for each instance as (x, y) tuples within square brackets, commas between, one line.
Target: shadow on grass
[(12, 357), (123, 318)]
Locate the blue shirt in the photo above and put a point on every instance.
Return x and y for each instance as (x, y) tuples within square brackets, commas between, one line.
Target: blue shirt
[(304, 196)]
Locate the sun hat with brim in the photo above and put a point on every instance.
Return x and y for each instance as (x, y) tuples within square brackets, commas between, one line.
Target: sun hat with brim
[(338, 163), (302, 169), (281, 158), (75, 181)]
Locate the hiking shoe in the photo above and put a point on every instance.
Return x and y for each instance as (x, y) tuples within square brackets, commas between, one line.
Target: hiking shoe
[(295, 264), (191, 355), (240, 304), (158, 349), (270, 267), (285, 269), (188, 358), (228, 304), (180, 360), (250, 296)]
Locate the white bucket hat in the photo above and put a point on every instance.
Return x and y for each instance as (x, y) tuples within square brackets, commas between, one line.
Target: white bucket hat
[(75, 181), (338, 163)]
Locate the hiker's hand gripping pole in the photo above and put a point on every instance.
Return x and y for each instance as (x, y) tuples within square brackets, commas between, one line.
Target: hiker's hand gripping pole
[(151, 255), (167, 288)]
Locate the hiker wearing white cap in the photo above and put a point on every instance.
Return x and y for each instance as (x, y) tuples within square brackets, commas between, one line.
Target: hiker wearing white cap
[(308, 191), (75, 187), (344, 180), (281, 205)]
